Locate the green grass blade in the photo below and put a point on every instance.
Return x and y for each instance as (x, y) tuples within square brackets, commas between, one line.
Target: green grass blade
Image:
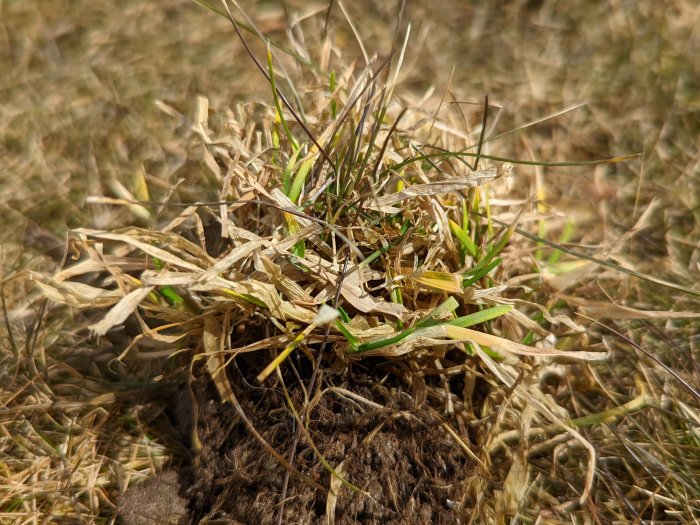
[(278, 104), (606, 263), (300, 179), (450, 305), (374, 345), (354, 341), (343, 314), (332, 86), (463, 238), (565, 237), (288, 170), (481, 317), (468, 281)]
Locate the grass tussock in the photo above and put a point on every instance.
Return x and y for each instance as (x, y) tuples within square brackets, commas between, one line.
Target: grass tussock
[(343, 238)]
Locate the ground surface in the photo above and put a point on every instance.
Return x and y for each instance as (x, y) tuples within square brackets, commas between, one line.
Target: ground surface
[(80, 86)]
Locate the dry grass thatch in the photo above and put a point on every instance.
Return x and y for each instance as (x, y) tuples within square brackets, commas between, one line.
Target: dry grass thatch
[(346, 231)]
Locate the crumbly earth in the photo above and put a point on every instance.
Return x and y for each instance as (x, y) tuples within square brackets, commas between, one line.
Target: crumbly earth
[(154, 502), (409, 469)]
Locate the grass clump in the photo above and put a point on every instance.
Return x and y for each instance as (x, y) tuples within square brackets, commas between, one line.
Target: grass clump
[(347, 233)]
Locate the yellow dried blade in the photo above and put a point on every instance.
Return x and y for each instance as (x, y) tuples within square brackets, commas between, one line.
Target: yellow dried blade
[(448, 282), (212, 340), (501, 345), (325, 315)]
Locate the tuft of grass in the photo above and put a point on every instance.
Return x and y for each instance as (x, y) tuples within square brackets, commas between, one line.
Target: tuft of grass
[(357, 207)]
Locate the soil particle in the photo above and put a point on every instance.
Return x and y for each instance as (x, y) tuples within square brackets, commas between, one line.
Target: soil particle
[(156, 501)]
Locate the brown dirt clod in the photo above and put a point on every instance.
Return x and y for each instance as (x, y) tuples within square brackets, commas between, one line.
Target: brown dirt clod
[(409, 469), (156, 501)]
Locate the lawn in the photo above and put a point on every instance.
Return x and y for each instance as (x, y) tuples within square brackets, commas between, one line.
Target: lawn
[(349, 263)]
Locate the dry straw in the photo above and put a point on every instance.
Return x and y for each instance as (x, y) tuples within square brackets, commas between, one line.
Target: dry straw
[(340, 223)]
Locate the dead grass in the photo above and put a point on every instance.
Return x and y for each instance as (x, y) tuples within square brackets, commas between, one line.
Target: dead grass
[(103, 104)]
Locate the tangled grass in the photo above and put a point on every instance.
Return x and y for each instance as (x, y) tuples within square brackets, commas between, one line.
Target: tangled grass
[(345, 223)]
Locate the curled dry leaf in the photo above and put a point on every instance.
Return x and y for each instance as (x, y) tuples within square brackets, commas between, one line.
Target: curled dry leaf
[(446, 334), (212, 340), (78, 295), (283, 283), (121, 311), (475, 179), (161, 254), (618, 311), (448, 282)]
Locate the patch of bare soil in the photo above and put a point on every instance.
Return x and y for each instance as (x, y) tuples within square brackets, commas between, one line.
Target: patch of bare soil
[(154, 502), (408, 468)]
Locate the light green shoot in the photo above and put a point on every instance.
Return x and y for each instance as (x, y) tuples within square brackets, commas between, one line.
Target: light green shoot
[(482, 271), (482, 316), (494, 250), (463, 237), (278, 104), (443, 309), (288, 170), (300, 179), (565, 237), (332, 86)]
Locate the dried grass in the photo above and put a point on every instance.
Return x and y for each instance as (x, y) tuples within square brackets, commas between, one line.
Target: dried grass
[(356, 223)]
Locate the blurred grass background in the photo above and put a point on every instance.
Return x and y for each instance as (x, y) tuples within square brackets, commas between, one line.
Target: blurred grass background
[(80, 81)]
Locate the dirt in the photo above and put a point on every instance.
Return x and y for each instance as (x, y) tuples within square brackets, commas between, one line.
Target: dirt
[(154, 502), (409, 470)]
